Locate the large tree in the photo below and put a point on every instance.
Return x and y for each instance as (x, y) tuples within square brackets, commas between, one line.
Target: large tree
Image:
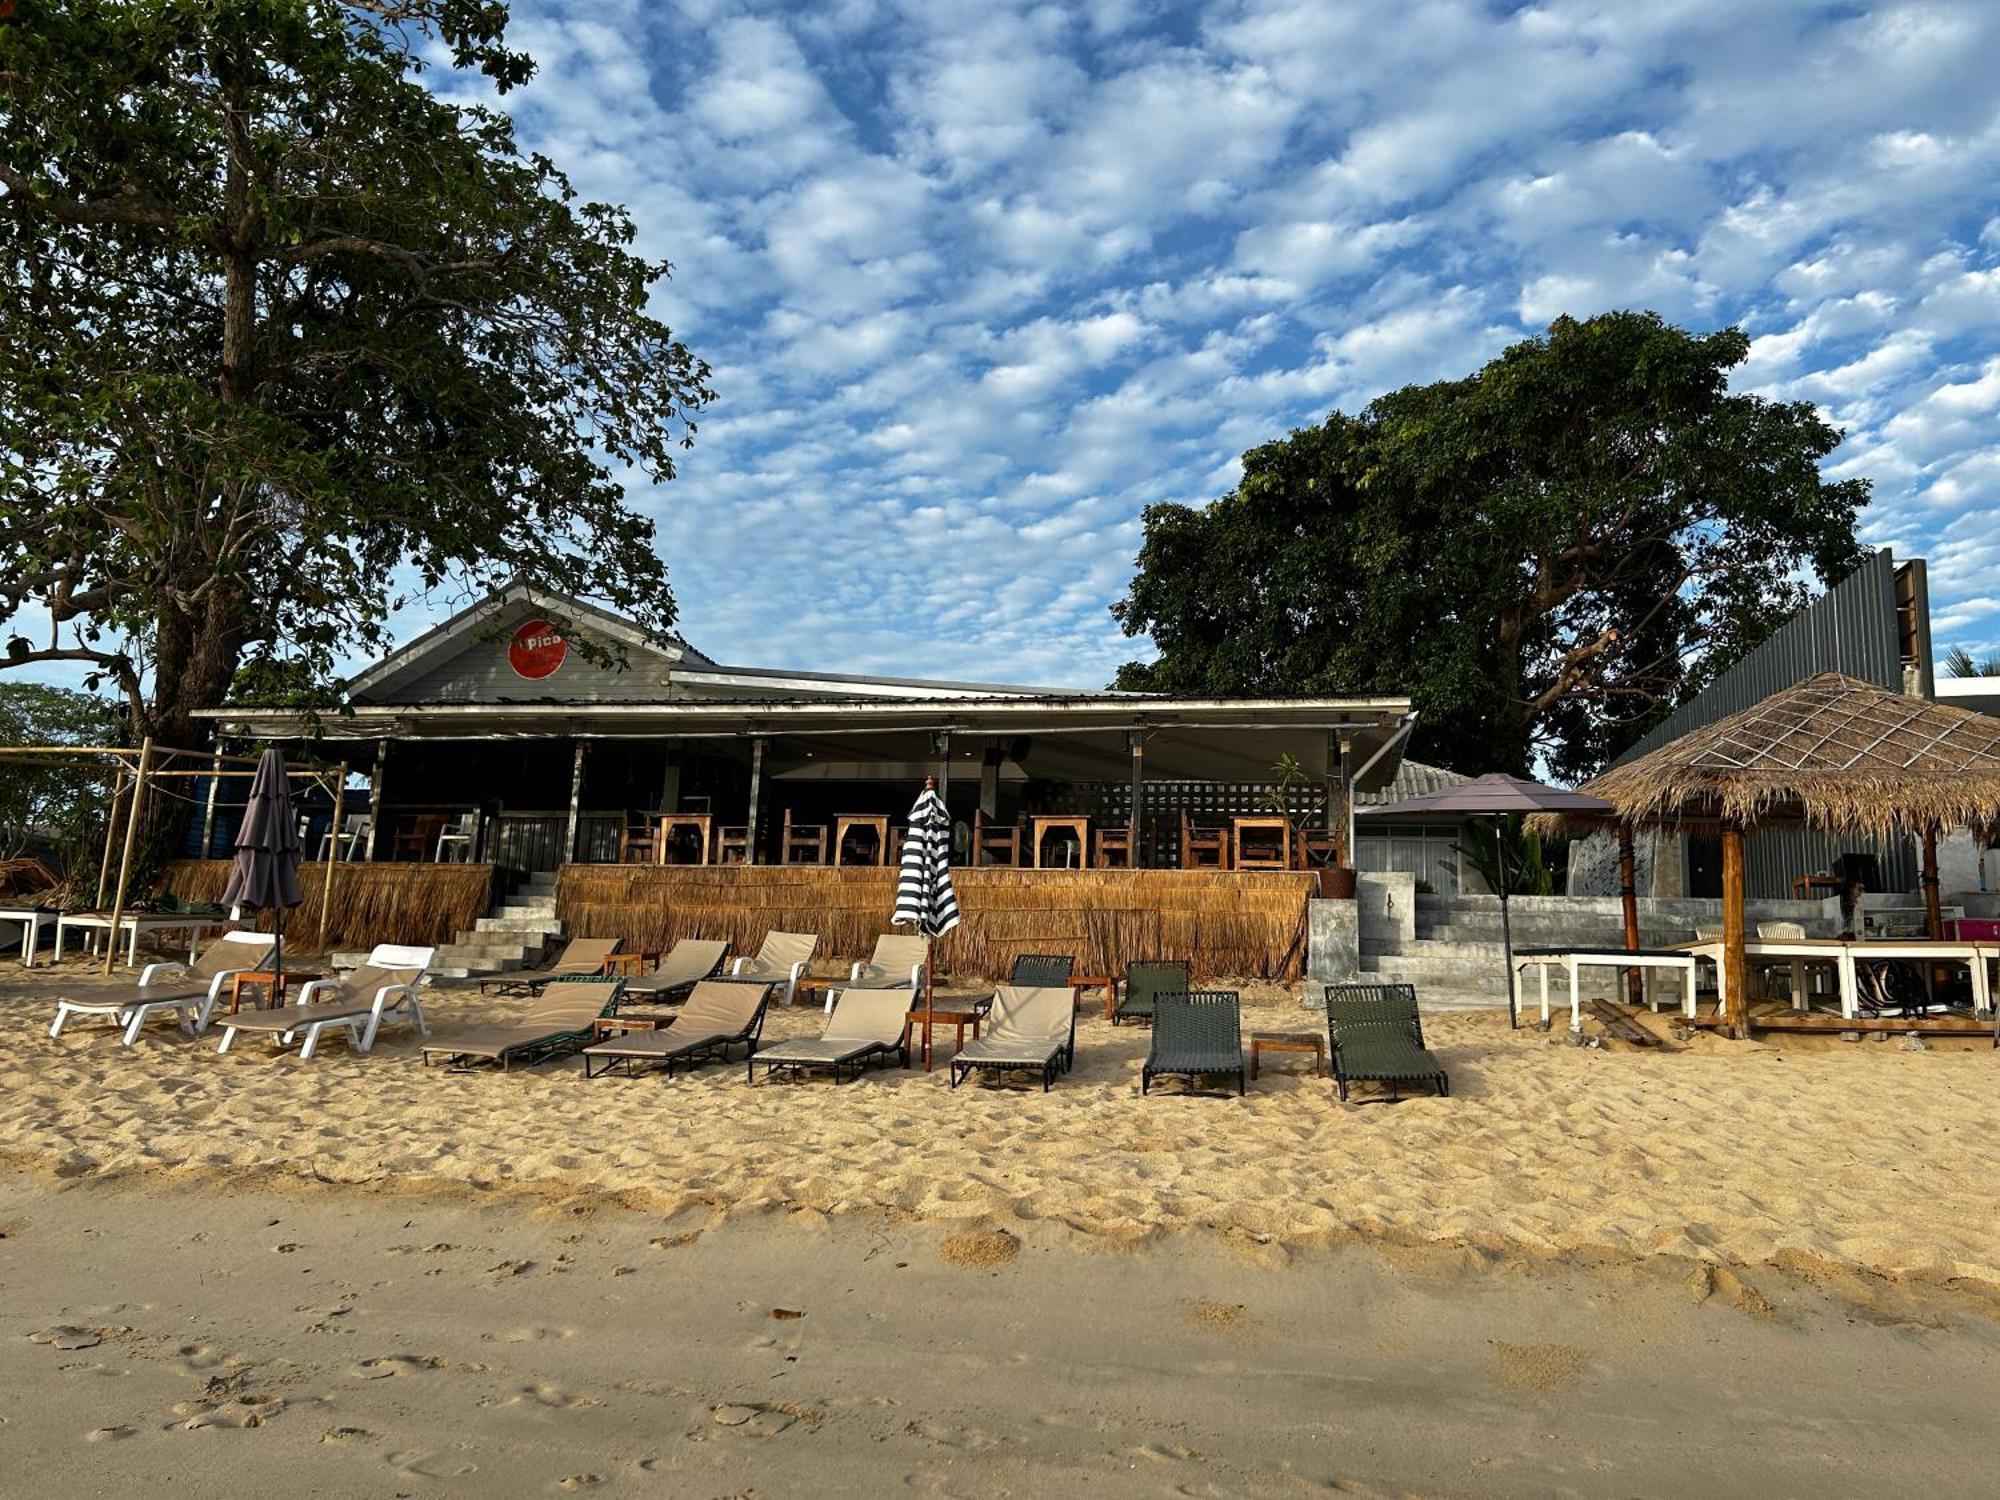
[(1547, 555), (279, 326)]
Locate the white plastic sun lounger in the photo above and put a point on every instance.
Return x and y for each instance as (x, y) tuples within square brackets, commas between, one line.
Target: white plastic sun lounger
[(384, 986), (189, 990)]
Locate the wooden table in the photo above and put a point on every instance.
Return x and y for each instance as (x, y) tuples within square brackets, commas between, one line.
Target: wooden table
[(627, 965), (134, 923), (847, 822), (1805, 885), (270, 982), (1572, 961), (1847, 957), (31, 919), (605, 1026), (1288, 1041), (1262, 859), (702, 824), (1044, 824), (958, 1012), (1078, 983)]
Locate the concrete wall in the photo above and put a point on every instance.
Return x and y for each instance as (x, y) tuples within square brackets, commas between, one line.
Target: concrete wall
[(1333, 941), (1388, 903)]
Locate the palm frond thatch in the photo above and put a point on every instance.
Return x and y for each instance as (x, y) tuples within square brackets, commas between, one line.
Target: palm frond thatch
[(1831, 751), (419, 904), (1224, 923)]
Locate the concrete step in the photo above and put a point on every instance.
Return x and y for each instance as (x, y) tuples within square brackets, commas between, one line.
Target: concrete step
[(456, 954), (498, 942), (545, 926), (527, 906)]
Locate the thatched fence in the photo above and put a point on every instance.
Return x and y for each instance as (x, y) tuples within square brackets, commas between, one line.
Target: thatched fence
[(1225, 923), (423, 904)]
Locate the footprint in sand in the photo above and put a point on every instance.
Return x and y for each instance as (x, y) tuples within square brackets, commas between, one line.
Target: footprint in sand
[(961, 1439), (536, 1335), (199, 1359), (385, 1365), (67, 1337), (242, 1412), (109, 1434), (551, 1397), (580, 1482), (429, 1466)]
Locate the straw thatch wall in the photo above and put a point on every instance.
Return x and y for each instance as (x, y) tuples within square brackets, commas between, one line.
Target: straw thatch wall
[(423, 904), (1225, 923)]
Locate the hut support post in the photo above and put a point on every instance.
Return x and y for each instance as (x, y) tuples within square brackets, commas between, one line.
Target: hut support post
[(208, 805), (131, 843), (1137, 740), (1735, 962), (576, 804), (110, 834), (375, 798), (1933, 910), (989, 785), (1346, 748), (332, 856), (756, 791), (1628, 896)]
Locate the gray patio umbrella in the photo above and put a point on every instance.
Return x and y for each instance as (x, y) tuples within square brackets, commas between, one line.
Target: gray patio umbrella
[(925, 899), (264, 873), (1494, 796)]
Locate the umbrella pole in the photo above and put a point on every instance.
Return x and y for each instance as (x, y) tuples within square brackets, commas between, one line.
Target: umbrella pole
[(930, 996), (1506, 925)]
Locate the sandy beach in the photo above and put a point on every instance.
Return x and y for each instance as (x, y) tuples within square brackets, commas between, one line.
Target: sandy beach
[(1581, 1263)]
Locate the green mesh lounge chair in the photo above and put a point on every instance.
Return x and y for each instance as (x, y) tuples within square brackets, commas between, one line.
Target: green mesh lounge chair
[(1145, 981), (1041, 971), (1376, 1036), (558, 1021), (1195, 1035)]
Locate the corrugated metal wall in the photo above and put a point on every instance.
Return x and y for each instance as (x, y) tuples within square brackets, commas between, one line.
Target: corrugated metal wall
[(1851, 629)]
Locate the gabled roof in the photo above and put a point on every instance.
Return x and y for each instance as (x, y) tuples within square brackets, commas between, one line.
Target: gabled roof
[(453, 634)]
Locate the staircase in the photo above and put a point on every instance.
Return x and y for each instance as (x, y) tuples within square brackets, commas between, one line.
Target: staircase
[(1456, 960), (512, 936)]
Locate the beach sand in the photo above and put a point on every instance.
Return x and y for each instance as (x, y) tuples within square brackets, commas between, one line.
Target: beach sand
[(1589, 1271)]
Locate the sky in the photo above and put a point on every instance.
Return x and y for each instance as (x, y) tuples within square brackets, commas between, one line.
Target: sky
[(979, 282)]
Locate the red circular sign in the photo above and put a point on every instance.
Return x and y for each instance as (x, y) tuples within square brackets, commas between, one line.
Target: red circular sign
[(536, 650)]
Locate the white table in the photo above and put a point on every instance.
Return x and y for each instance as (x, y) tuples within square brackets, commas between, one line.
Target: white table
[(1846, 957), (31, 920), (1572, 961), (134, 923)]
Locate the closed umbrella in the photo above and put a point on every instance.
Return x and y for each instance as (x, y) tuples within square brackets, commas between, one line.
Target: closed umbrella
[(925, 899), (1493, 796), (264, 873)]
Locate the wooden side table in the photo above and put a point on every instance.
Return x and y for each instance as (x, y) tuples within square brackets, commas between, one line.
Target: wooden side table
[(1044, 824), (270, 982), (1288, 1041), (846, 823), (627, 965), (955, 1013), (1258, 854), (1078, 983), (605, 1026)]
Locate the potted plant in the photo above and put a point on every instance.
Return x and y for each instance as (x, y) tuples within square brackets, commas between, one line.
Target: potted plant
[(1336, 881)]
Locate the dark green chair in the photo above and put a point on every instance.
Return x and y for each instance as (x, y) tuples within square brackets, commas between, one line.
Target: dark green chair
[(1375, 1035), (1195, 1035), (1145, 982), (1041, 971)]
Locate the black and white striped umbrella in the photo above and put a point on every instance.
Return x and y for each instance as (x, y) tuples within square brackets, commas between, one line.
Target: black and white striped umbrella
[(925, 899)]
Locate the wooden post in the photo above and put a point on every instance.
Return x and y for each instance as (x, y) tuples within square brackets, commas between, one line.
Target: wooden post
[(375, 798), (1137, 740), (1628, 895), (131, 843), (575, 804), (110, 834), (208, 809), (1347, 802), (332, 857), (756, 791), (989, 784), (1933, 909), (670, 781), (1735, 963)]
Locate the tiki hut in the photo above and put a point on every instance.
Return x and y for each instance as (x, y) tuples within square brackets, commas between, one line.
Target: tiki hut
[(1831, 752)]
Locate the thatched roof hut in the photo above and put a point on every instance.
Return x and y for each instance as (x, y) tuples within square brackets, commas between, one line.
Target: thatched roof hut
[(1830, 751)]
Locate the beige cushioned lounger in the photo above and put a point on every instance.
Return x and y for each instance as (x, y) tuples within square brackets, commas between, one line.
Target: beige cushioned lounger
[(557, 1021)]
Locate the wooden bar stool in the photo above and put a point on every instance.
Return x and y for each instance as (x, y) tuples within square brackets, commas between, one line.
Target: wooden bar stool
[(1268, 847), (804, 843), (1113, 849), (1203, 848), (995, 843)]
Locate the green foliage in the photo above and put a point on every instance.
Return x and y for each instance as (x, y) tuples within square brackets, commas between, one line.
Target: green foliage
[(1547, 555), (1288, 779), (46, 807), (284, 335), (1959, 662), (1517, 855)]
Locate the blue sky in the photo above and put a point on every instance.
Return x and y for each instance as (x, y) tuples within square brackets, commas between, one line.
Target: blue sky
[(980, 281)]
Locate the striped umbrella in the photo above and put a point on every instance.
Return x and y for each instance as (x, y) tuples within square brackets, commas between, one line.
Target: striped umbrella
[(925, 899)]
